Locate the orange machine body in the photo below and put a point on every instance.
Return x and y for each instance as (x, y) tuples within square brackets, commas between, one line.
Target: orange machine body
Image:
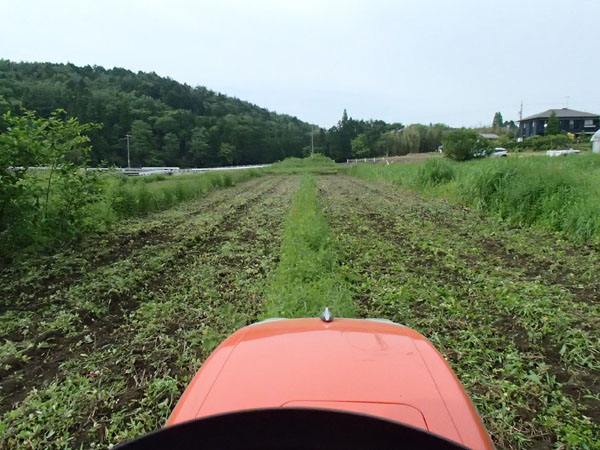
[(367, 366)]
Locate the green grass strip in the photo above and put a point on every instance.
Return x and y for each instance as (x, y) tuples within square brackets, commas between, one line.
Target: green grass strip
[(308, 275)]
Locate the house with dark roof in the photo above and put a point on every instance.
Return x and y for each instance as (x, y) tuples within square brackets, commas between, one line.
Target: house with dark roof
[(569, 121)]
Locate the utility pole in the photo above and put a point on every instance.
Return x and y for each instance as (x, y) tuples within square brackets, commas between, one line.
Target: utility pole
[(312, 141), (520, 117), (127, 136)]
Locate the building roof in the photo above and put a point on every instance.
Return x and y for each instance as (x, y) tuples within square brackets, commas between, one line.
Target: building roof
[(562, 113)]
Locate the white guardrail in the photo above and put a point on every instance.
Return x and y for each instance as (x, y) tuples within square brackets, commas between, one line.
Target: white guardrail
[(146, 171)]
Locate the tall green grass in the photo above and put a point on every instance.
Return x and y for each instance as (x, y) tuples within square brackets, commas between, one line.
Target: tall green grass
[(560, 194), (308, 275), (138, 196)]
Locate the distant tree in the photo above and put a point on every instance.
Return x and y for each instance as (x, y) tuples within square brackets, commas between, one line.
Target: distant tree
[(340, 137), (171, 147), (553, 125), (4, 105), (461, 144), (166, 124), (141, 145), (411, 139), (511, 126), (391, 143), (497, 123), (227, 153), (433, 137), (360, 146), (199, 151)]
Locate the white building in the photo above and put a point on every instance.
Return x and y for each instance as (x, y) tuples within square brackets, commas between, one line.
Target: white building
[(596, 142)]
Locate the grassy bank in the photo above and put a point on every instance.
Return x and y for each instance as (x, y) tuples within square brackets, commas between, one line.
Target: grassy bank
[(554, 194), (308, 276)]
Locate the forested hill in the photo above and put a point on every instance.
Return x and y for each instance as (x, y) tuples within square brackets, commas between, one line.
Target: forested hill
[(170, 123)]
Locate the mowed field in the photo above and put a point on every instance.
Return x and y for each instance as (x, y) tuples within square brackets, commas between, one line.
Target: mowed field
[(99, 340)]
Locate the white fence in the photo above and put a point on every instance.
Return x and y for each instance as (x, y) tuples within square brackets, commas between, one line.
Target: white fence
[(366, 160)]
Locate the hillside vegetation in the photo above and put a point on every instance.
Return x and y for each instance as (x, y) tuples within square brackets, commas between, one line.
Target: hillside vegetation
[(171, 124), (174, 124)]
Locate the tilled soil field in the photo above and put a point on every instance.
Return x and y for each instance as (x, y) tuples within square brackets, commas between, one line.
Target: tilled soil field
[(515, 312), (99, 340)]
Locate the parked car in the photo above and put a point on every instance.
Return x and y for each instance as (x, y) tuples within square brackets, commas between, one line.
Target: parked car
[(499, 152), (487, 153)]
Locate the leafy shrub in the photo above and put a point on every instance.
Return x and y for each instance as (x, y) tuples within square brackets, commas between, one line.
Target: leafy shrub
[(39, 208), (434, 172), (462, 144), (542, 143)]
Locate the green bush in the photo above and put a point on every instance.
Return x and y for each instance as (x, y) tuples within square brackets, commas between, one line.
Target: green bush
[(463, 144), (542, 143), (41, 208)]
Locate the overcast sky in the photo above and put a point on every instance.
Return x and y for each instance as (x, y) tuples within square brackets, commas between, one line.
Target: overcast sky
[(405, 61)]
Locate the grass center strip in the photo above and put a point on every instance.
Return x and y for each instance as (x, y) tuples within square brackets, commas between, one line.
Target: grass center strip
[(308, 276)]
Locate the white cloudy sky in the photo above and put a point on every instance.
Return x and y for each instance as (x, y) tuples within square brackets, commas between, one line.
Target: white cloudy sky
[(407, 61)]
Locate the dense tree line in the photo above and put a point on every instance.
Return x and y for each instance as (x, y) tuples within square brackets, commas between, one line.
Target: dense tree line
[(173, 124), (170, 123), (362, 139)]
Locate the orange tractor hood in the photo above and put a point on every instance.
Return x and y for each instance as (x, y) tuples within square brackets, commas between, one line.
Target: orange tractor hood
[(366, 366)]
